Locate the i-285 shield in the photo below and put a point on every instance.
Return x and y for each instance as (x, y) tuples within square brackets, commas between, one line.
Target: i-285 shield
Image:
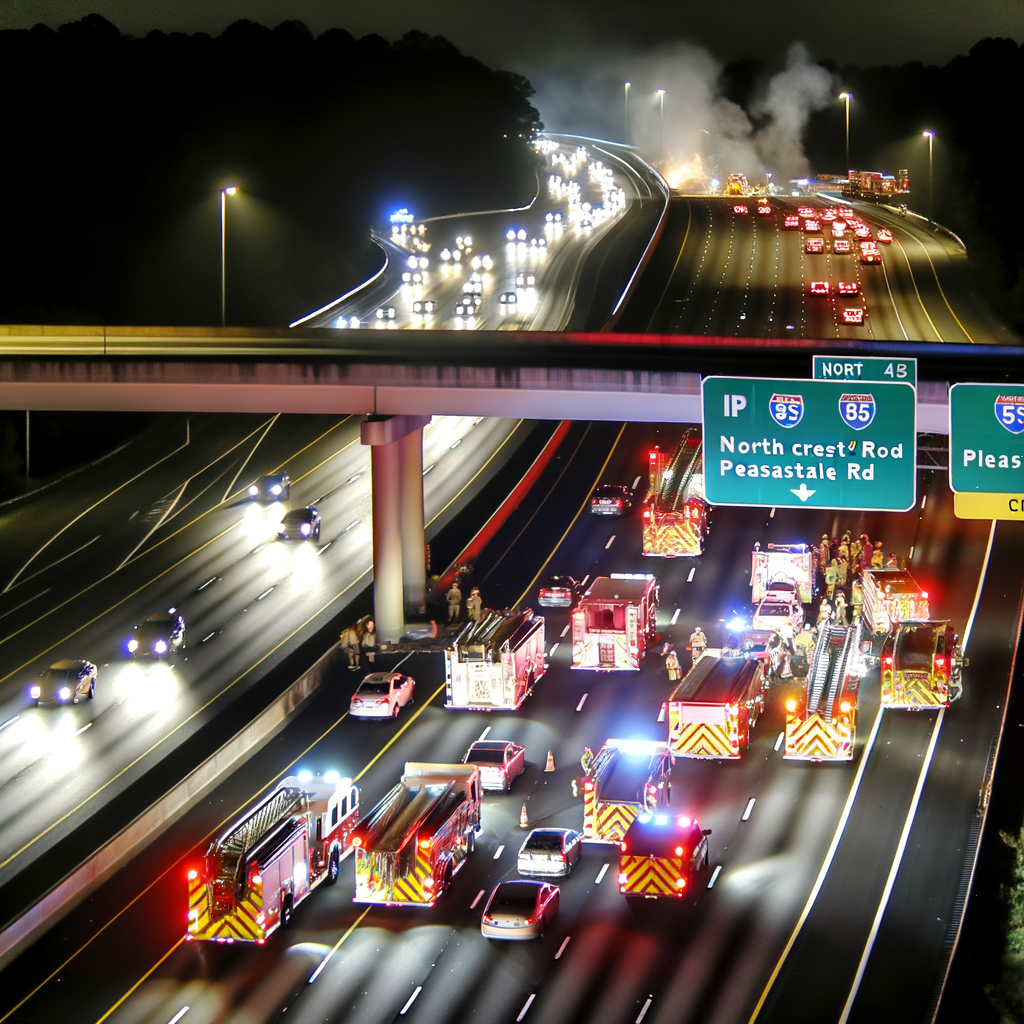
[(857, 411), (786, 410), (1010, 412)]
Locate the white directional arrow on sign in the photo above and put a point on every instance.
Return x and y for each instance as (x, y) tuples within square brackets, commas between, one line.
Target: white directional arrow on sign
[(802, 492)]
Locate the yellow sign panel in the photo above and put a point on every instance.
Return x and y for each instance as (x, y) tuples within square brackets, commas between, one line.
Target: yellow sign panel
[(986, 505)]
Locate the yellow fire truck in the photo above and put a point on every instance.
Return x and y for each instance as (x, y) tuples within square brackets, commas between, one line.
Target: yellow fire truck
[(256, 873), (891, 596), (662, 855), (615, 622), (625, 778), (411, 845), (675, 515), (821, 724), (712, 711), (921, 665), (493, 664)]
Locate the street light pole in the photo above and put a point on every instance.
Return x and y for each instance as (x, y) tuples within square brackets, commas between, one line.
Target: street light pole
[(230, 190), (847, 97), (661, 98), (930, 136), (625, 132)]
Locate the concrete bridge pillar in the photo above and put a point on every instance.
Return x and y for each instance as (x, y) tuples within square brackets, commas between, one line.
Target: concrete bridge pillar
[(396, 466)]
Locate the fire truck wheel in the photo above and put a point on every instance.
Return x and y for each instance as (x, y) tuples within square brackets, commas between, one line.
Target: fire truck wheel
[(286, 911), (332, 867), (446, 878)]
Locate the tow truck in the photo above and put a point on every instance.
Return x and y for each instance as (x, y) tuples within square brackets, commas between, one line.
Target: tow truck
[(265, 864), (417, 838), (662, 855), (675, 514), (921, 665), (615, 622), (625, 778)]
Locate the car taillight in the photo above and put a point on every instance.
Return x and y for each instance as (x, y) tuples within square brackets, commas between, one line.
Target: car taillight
[(618, 503), (561, 857), (531, 920), (622, 846), (488, 919)]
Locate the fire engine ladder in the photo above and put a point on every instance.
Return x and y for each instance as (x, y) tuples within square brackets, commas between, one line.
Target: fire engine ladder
[(840, 664), (685, 460), (817, 673)]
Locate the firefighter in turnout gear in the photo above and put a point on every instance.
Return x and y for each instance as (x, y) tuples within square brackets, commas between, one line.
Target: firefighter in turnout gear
[(672, 667), (350, 645), (878, 556), (454, 602), (698, 644), (841, 609), (474, 605)]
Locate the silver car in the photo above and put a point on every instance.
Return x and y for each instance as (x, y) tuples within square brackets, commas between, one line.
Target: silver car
[(381, 695), (550, 852), (520, 910), (499, 761)]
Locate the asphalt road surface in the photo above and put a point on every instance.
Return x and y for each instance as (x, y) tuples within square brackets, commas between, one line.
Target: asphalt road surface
[(120, 956)]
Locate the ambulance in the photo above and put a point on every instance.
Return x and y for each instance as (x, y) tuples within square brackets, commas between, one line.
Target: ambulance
[(614, 623), (625, 778), (662, 855)]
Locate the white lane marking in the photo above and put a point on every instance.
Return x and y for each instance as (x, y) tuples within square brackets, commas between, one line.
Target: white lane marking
[(778, 742), (456, 445), (498, 852), (561, 948), (245, 463), (554, 647), (320, 551), (894, 869), (826, 864), (133, 515), (353, 479), (40, 594), (484, 734), (427, 470), (675, 617), (771, 515), (412, 999), (529, 1003), (643, 1012), (212, 579), (64, 558), (181, 1013), (564, 631), (479, 897), (583, 700), (265, 592), (885, 274), (351, 526), (714, 876), (10, 721), (88, 725), (981, 581), (205, 638), (611, 541), (584, 583), (750, 807), (689, 579), (601, 874), (636, 483), (924, 498)]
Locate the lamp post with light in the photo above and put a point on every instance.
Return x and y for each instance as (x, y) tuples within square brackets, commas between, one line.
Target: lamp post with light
[(847, 96), (229, 190), (625, 126), (930, 136), (661, 100)]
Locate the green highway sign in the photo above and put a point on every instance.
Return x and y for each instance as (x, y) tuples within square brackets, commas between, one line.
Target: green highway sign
[(865, 368), (809, 443), (986, 438)]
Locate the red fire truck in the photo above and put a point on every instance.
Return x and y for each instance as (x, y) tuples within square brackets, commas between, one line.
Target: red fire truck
[(615, 622), (662, 855), (411, 845), (624, 779), (890, 596), (257, 872), (675, 513), (712, 711)]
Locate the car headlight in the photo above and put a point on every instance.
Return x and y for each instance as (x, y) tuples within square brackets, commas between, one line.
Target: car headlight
[(133, 645), (35, 693), (304, 529), (65, 692), (254, 490), (276, 489), (160, 646)]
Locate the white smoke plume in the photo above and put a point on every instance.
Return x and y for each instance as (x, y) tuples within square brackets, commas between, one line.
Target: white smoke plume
[(703, 135)]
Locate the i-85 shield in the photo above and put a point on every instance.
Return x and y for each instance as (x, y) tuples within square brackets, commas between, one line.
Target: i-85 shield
[(857, 411)]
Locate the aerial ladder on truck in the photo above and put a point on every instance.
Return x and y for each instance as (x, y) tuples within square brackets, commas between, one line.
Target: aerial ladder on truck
[(822, 724), (675, 515)]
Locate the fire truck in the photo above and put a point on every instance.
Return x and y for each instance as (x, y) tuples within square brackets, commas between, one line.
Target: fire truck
[(712, 711), (890, 596), (921, 665), (624, 779), (779, 564), (821, 724), (675, 513), (662, 855), (615, 622), (411, 845), (257, 872), (493, 664), (876, 186), (736, 185)]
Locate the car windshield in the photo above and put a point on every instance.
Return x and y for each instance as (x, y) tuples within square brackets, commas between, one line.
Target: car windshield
[(559, 583), (610, 491), (515, 898), (60, 676), (544, 842), (774, 609), (375, 686), (155, 629), (486, 756), (299, 515)]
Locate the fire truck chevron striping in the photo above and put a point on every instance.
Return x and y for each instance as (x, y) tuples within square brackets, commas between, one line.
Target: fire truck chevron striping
[(615, 622), (625, 778), (661, 855), (414, 841), (258, 871), (675, 517), (713, 709), (822, 724), (920, 665)]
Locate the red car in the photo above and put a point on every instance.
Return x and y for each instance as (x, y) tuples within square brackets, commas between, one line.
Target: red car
[(845, 211), (870, 256), (819, 288), (862, 231), (853, 316), (884, 236), (740, 208), (829, 215), (764, 210), (814, 245), (791, 221), (848, 287), (840, 245), (812, 226), (558, 592), (805, 211)]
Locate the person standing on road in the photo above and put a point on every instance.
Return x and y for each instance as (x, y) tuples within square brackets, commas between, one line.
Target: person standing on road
[(831, 578), (350, 645), (368, 640), (698, 644), (878, 555), (474, 605), (675, 673), (454, 602), (841, 609)]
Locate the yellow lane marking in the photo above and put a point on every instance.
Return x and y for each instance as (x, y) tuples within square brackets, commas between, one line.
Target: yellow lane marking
[(913, 281), (141, 980), (941, 292), (675, 267), (597, 480)]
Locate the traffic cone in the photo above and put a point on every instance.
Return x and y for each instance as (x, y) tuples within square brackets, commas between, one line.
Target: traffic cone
[(550, 766), (524, 821)]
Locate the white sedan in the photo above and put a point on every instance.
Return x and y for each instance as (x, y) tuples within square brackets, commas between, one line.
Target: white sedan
[(381, 695)]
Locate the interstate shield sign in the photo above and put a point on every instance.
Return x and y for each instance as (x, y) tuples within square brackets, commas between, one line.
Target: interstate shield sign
[(786, 410), (857, 411), (1010, 412)]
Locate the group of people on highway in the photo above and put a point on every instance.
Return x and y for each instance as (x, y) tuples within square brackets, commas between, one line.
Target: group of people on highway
[(840, 562), (474, 604)]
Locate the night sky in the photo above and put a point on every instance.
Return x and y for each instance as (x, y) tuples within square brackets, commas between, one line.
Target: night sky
[(518, 34)]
